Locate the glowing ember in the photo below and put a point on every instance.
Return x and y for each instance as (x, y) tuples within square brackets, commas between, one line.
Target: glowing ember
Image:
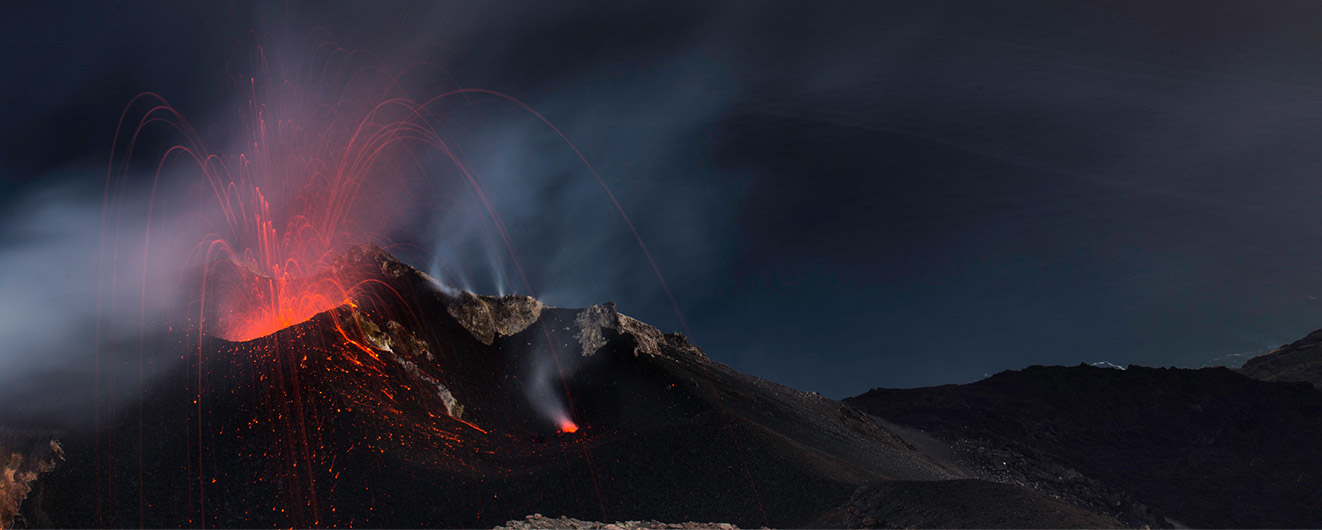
[(567, 426)]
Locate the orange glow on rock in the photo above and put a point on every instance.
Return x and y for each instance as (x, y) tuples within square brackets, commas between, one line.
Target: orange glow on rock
[(250, 305), (268, 320)]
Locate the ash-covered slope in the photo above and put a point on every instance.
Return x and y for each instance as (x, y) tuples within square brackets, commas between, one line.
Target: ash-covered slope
[(1205, 448), (1297, 361), (421, 406)]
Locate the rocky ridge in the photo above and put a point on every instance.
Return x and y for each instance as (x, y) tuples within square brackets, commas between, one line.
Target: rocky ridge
[(1298, 361), (1147, 446)]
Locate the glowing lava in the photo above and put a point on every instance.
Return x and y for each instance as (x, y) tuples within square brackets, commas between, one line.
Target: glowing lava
[(285, 309), (247, 304)]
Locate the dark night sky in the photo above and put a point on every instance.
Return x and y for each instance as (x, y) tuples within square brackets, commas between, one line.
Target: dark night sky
[(842, 196)]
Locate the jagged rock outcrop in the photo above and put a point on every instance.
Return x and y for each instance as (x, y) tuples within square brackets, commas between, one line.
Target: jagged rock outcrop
[(24, 458), (407, 350), (489, 317), (601, 323)]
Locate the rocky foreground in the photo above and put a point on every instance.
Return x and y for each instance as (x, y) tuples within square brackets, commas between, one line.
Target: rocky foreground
[(538, 521)]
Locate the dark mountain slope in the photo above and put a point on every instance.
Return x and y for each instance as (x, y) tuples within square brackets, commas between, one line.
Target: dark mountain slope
[(949, 503), (1206, 448), (1298, 361), (421, 406)]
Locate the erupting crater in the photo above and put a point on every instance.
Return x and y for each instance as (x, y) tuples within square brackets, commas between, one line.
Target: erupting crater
[(282, 311), (246, 304)]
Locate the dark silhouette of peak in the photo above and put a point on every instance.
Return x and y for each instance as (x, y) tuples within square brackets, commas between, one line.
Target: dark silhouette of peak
[(1297, 361), (1158, 446)]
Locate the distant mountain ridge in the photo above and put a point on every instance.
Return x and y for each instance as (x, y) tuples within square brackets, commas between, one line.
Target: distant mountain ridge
[(1207, 448), (1298, 361)]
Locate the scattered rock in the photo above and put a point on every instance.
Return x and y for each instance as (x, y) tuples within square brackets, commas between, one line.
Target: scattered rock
[(539, 522), (965, 503), (394, 338), (405, 348)]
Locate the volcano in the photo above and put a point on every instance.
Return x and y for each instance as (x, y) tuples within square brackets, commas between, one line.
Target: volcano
[(415, 404)]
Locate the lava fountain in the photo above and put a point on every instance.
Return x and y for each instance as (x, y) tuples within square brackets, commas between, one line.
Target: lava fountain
[(322, 163)]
